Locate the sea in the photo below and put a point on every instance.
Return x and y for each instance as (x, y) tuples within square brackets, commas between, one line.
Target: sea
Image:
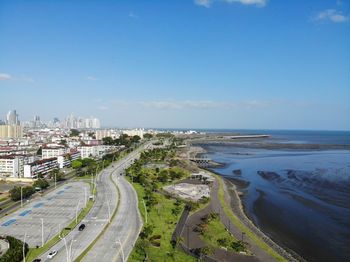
[(298, 197)]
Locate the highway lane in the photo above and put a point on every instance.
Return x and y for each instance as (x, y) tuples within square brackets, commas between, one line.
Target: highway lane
[(118, 240), (98, 217), (123, 232), (95, 221)]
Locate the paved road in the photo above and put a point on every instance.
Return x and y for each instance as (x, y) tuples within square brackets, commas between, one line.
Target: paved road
[(118, 240), (98, 217), (95, 221)]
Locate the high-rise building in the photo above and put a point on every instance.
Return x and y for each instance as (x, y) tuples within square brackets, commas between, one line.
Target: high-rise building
[(12, 118), (11, 131)]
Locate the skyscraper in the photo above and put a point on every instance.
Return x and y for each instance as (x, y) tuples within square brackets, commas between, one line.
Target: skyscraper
[(12, 118)]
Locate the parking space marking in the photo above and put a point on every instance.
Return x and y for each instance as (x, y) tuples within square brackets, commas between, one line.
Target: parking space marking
[(10, 222), (24, 213)]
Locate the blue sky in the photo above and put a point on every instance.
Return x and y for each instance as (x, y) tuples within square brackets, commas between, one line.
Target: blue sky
[(201, 64)]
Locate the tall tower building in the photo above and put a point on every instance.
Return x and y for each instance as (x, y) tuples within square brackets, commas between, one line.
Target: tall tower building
[(12, 118)]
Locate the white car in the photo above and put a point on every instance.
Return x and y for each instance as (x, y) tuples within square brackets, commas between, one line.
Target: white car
[(52, 254)]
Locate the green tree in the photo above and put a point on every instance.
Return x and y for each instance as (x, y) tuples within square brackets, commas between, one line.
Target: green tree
[(74, 132), (15, 251), (147, 136), (135, 139), (224, 242), (76, 164), (147, 231), (39, 152), (15, 193), (42, 183), (108, 140)]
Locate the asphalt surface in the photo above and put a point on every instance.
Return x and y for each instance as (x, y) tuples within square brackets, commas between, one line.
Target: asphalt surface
[(55, 208), (76, 241), (118, 240), (97, 219), (123, 232)]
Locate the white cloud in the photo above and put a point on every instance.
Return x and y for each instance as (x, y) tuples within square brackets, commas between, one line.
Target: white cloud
[(205, 3), (331, 15), (92, 78), (133, 15), (208, 3), (4, 76), (248, 2)]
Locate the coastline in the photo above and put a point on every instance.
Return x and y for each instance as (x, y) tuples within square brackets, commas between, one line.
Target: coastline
[(239, 210)]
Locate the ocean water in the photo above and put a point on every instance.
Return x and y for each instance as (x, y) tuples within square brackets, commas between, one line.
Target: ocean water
[(300, 198)]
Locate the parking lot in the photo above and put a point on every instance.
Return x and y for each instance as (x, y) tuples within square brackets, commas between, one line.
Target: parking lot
[(57, 209)]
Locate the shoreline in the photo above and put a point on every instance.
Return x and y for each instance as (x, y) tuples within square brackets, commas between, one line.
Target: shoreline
[(239, 210), (246, 220)]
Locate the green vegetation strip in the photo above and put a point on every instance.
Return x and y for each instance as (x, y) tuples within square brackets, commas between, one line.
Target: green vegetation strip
[(164, 222), (242, 227), (215, 231), (83, 254), (35, 252)]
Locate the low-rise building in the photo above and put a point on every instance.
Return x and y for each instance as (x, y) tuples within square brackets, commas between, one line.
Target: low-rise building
[(134, 132), (9, 166), (88, 151), (66, 159), (40, 167), (53, 151), (12, 165)]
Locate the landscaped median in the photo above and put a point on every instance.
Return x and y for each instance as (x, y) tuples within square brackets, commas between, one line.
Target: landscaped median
[(155, 238), (36, 252), (227, 209), (83, 254)]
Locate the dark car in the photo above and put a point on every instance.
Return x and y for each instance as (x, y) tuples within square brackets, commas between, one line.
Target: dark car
[(81, 227), (37, 260)]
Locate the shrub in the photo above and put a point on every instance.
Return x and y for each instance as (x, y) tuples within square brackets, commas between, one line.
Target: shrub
[(15, 252)]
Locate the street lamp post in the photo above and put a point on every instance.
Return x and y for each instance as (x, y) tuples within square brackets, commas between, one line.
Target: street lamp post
[(70, 249), (121, 247), (76, 213), (65, 244), (85, 197), (21, 196), (42, 232), (59, 230), (24, 248), (55, 180)]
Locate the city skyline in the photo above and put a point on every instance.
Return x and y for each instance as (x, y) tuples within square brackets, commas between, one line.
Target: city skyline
[(179, 64)]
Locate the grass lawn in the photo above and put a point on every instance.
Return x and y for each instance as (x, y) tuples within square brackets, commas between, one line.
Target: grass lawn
[(4, 198), (164, 223), (242, 227), (82, 177), (216, 230)]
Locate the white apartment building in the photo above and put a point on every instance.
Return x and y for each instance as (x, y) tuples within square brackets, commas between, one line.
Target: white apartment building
[(12, 165), (134, 132), (53, 151), (106, 133), (40, 167), (66, 159), (88, 151), (9, 166)]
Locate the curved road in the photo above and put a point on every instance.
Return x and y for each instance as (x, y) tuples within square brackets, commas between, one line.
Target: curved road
[(124, 228)]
